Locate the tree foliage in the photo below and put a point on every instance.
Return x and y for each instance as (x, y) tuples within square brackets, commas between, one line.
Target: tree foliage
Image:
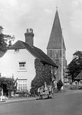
[(43, 74), (10, 82), (75, 66), (5, 41)]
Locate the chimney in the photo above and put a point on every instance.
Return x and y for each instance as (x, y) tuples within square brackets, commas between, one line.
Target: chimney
[(29, 36)]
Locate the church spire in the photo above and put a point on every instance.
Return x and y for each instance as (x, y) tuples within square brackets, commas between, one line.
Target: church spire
[(56, 36)]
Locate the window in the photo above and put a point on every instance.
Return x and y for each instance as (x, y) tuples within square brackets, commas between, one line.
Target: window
[(22, 65), (22, 84)]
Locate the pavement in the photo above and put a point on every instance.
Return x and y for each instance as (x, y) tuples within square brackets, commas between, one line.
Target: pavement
[(18, 99), (73, 91)]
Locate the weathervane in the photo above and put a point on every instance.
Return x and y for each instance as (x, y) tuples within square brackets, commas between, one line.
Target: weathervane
[(56, 4)]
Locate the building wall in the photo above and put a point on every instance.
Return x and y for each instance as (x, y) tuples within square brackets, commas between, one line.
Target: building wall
[(9, 65), (56, 56)]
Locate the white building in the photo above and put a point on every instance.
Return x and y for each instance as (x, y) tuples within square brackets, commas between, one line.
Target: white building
[(18, 61)]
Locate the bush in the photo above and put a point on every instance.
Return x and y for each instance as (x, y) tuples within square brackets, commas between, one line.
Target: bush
[(43, 74)]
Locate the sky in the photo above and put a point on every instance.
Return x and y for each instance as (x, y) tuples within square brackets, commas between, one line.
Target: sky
[(18, 15)]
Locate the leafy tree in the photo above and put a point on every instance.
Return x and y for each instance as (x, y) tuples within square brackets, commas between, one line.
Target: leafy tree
[(5, 40), (75, 66), (9, 82)]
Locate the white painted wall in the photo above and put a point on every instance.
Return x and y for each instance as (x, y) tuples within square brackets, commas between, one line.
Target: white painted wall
[(9, 64)]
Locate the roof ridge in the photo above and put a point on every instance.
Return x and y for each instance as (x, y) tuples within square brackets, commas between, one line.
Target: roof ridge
[(17, 45)]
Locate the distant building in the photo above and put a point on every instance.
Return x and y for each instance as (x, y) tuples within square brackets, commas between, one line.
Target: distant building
[(19, 61), (56, 49)]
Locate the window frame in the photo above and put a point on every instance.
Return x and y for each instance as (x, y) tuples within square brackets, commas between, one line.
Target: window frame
[(22, 66)]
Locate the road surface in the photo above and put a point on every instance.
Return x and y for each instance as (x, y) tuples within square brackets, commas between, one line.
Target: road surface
[(69, 104)]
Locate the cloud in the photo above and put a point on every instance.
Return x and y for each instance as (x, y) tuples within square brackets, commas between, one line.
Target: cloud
[(76, 21), (14, 8), (11, 12), (48, 11), (76, 17), (76, 3), (8, 3), (80, 1)]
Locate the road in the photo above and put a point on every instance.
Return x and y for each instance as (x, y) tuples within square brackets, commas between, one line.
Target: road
[(70, 104)]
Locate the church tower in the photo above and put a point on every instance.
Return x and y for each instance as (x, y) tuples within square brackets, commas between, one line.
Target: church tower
[(56, 47)]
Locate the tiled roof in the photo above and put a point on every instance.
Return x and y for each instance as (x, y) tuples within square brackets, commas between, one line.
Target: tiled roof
[(56, 37), (36, 52)]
